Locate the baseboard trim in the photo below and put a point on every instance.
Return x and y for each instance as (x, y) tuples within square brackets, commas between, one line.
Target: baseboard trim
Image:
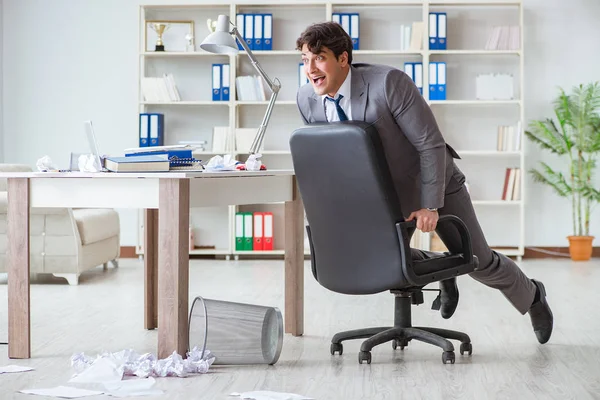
[(128, 252), (530, 252), (552, 252)]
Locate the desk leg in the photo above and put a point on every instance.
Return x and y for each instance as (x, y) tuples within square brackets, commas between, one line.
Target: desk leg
[(294, 264), (19, 318), (151, 268), (173, 266)]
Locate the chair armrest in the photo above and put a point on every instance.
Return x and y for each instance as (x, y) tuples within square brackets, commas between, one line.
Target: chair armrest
[(447, 265), (465, 236)]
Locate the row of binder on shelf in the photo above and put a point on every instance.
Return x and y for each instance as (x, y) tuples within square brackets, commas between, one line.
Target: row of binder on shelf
[(509, 138), (512, 184), (161, 88), (220, 82), (351, 24), (151, 129), (257, 30), (437, 31), (253, 231)]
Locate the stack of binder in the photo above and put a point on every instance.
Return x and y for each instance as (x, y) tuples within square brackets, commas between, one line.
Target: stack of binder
[(437, 81), (220, 82), (151, 128), (257, 30), (351, 24), (415, 71), (253, 231), (437, 31)]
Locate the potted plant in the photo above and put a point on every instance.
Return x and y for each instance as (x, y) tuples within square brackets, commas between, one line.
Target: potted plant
[(575, 136)]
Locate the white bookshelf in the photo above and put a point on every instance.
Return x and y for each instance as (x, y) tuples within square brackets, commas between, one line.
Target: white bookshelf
[(468, 124)]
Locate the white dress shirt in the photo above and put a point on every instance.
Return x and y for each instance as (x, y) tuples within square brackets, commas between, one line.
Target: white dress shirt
[(330, 110)]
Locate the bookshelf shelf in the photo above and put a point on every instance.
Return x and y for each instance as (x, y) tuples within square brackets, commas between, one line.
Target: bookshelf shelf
[(264, 103), (470, 22), (474, 102), (488, 153), (177, 54), (476, 52), (496, 202), (185, 103)]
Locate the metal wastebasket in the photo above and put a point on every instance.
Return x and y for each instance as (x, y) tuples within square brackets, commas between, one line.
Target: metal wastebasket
[(236, 333)]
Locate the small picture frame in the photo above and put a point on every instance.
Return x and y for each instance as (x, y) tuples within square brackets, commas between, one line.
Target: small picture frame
[(169, 36)]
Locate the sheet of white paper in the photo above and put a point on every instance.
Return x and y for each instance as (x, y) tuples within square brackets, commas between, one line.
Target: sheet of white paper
[(63, 392), (102, 370), (132, 387), (14, 368), (268, 395)]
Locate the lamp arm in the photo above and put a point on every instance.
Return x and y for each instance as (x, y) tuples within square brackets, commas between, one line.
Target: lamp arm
[(273, 85), (258, 139)]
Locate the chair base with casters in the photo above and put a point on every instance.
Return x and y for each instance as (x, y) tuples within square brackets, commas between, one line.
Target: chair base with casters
[(403, 332)]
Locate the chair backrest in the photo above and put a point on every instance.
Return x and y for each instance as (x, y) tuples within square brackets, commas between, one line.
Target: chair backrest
[(351, 207)]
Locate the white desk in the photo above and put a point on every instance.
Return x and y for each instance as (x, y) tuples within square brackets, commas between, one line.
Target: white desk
[(167, 198)]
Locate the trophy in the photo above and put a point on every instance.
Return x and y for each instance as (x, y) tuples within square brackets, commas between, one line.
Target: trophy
[(159, 28)]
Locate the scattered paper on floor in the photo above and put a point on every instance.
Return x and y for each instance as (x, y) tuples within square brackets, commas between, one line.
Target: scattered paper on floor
[(9, 369), (102, 370), (65, 392), (132, 387), (268, 395), (130, 363)]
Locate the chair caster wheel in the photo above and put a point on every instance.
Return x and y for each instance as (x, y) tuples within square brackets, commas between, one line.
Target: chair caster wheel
[(336, 347), (399, 342), (466, 348), (364, 356), (448, 356)]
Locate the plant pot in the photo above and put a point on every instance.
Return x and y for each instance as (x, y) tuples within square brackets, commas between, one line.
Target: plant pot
[(580, 247)]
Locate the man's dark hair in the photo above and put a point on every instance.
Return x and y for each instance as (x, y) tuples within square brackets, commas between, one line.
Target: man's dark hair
[(326, 34)]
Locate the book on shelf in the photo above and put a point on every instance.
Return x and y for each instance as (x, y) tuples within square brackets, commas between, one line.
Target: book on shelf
[(160, 89), (250, 88), (411, 36), (504, 38), (509, 138), (512, 184)]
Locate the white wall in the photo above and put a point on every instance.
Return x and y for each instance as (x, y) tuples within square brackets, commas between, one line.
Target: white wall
[(71, 60), (1, 80)]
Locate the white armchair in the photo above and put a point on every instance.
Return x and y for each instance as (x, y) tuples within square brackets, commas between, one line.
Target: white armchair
[(64, 242)]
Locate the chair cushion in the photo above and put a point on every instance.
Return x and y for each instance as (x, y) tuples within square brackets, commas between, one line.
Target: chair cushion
[(95, 224)]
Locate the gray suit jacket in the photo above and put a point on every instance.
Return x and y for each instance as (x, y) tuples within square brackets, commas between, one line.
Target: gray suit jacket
[(420, 161)]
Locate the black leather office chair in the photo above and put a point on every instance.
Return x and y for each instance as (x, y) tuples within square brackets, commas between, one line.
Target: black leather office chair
[(359, 240)]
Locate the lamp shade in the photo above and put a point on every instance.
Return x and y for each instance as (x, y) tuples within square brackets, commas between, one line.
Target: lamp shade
[(220, 41)]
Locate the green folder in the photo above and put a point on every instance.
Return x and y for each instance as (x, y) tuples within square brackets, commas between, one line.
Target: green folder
[(239, 231), (248, 231)]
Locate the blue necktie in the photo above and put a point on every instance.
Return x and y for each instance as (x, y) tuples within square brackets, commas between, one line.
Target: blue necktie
[(340, 110)]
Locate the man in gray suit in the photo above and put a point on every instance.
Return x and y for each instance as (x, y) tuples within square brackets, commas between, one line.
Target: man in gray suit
[(421, 163)]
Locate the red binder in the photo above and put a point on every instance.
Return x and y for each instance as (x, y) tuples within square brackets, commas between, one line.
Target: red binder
[(258, 232), (267, 231)]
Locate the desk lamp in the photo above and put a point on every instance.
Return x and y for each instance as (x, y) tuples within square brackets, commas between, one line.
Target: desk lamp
[(221, 42)]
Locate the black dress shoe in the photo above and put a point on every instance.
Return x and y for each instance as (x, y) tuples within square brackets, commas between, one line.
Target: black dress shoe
[(448, 297), (541, 315)]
